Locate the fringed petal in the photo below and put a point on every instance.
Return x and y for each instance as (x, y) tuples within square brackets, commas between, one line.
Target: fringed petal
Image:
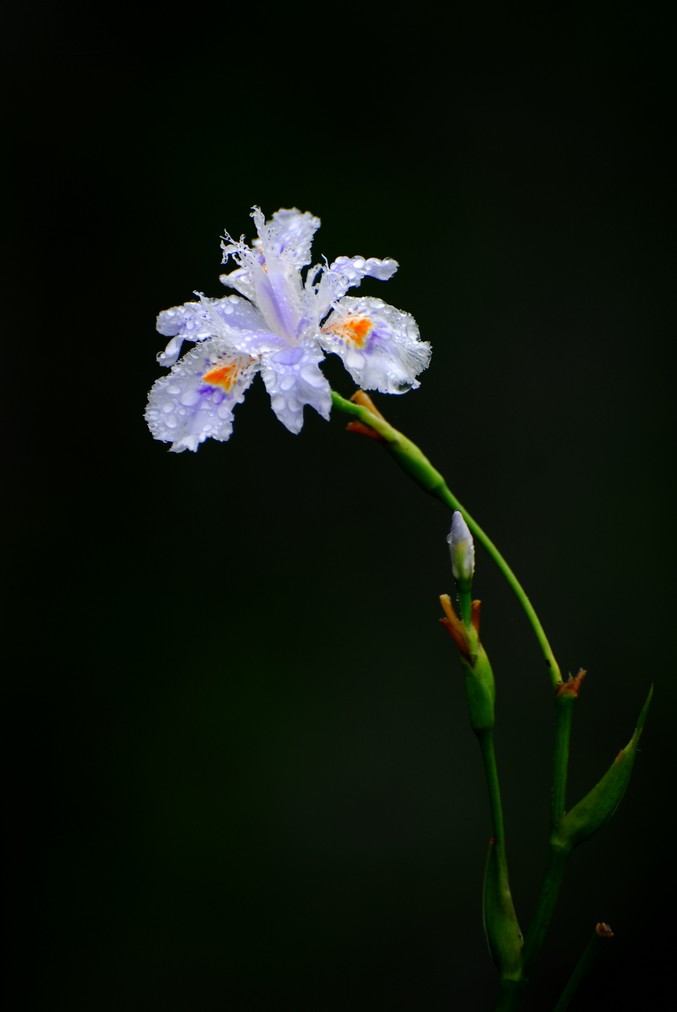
[(196, 400), (197, 321), (345, 273), (380, 346)]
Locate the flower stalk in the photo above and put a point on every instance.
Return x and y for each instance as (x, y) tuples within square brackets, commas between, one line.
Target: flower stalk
[(415, 463)]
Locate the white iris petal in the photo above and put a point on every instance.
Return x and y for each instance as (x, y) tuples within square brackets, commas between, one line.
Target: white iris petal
[(185, 408), (277, 326), (380, 346)]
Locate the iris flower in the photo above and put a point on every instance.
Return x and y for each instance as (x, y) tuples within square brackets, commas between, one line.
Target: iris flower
[(281, 325)]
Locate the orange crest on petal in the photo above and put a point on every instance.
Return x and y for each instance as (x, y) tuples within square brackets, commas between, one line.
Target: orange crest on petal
[(352, 329), (224, 375)]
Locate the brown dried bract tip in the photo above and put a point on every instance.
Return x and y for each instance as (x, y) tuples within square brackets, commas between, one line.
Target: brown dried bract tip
[(364, 430), (475, 616), (603, 930), (454, 627), (359, 397), (572, 686)]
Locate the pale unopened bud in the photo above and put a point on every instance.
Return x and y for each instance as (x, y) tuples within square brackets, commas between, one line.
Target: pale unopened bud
[(461, 549)]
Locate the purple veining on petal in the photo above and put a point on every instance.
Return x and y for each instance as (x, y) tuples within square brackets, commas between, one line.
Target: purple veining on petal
[(377, 338), (217, 395)]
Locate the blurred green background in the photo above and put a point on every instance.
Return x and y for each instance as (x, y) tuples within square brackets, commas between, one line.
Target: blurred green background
[(240, 760)]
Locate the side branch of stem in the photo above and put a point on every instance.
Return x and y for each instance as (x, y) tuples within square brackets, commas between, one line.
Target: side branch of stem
[(589, 957), (564, 712)]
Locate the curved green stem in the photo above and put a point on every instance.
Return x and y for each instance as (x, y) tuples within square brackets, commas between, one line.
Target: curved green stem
[(410, 457)]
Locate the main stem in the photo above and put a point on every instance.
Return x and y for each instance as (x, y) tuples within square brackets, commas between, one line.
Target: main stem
[(509, 995), (410, 457), (510, 990), (552, 881), (486, 742)]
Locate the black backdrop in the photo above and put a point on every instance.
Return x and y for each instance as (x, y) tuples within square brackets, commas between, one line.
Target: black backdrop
[(241, 766)]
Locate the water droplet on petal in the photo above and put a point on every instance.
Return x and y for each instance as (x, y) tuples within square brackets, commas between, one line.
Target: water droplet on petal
[(312, 376), (189, 397), (288, 356)]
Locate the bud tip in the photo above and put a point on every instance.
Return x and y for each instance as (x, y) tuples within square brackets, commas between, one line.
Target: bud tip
[(461, 548)]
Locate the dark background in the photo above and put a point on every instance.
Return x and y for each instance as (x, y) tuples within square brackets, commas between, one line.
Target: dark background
[(241, 775)]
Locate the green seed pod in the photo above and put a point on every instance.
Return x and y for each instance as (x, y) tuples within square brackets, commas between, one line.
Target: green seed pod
[(597, 807)]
